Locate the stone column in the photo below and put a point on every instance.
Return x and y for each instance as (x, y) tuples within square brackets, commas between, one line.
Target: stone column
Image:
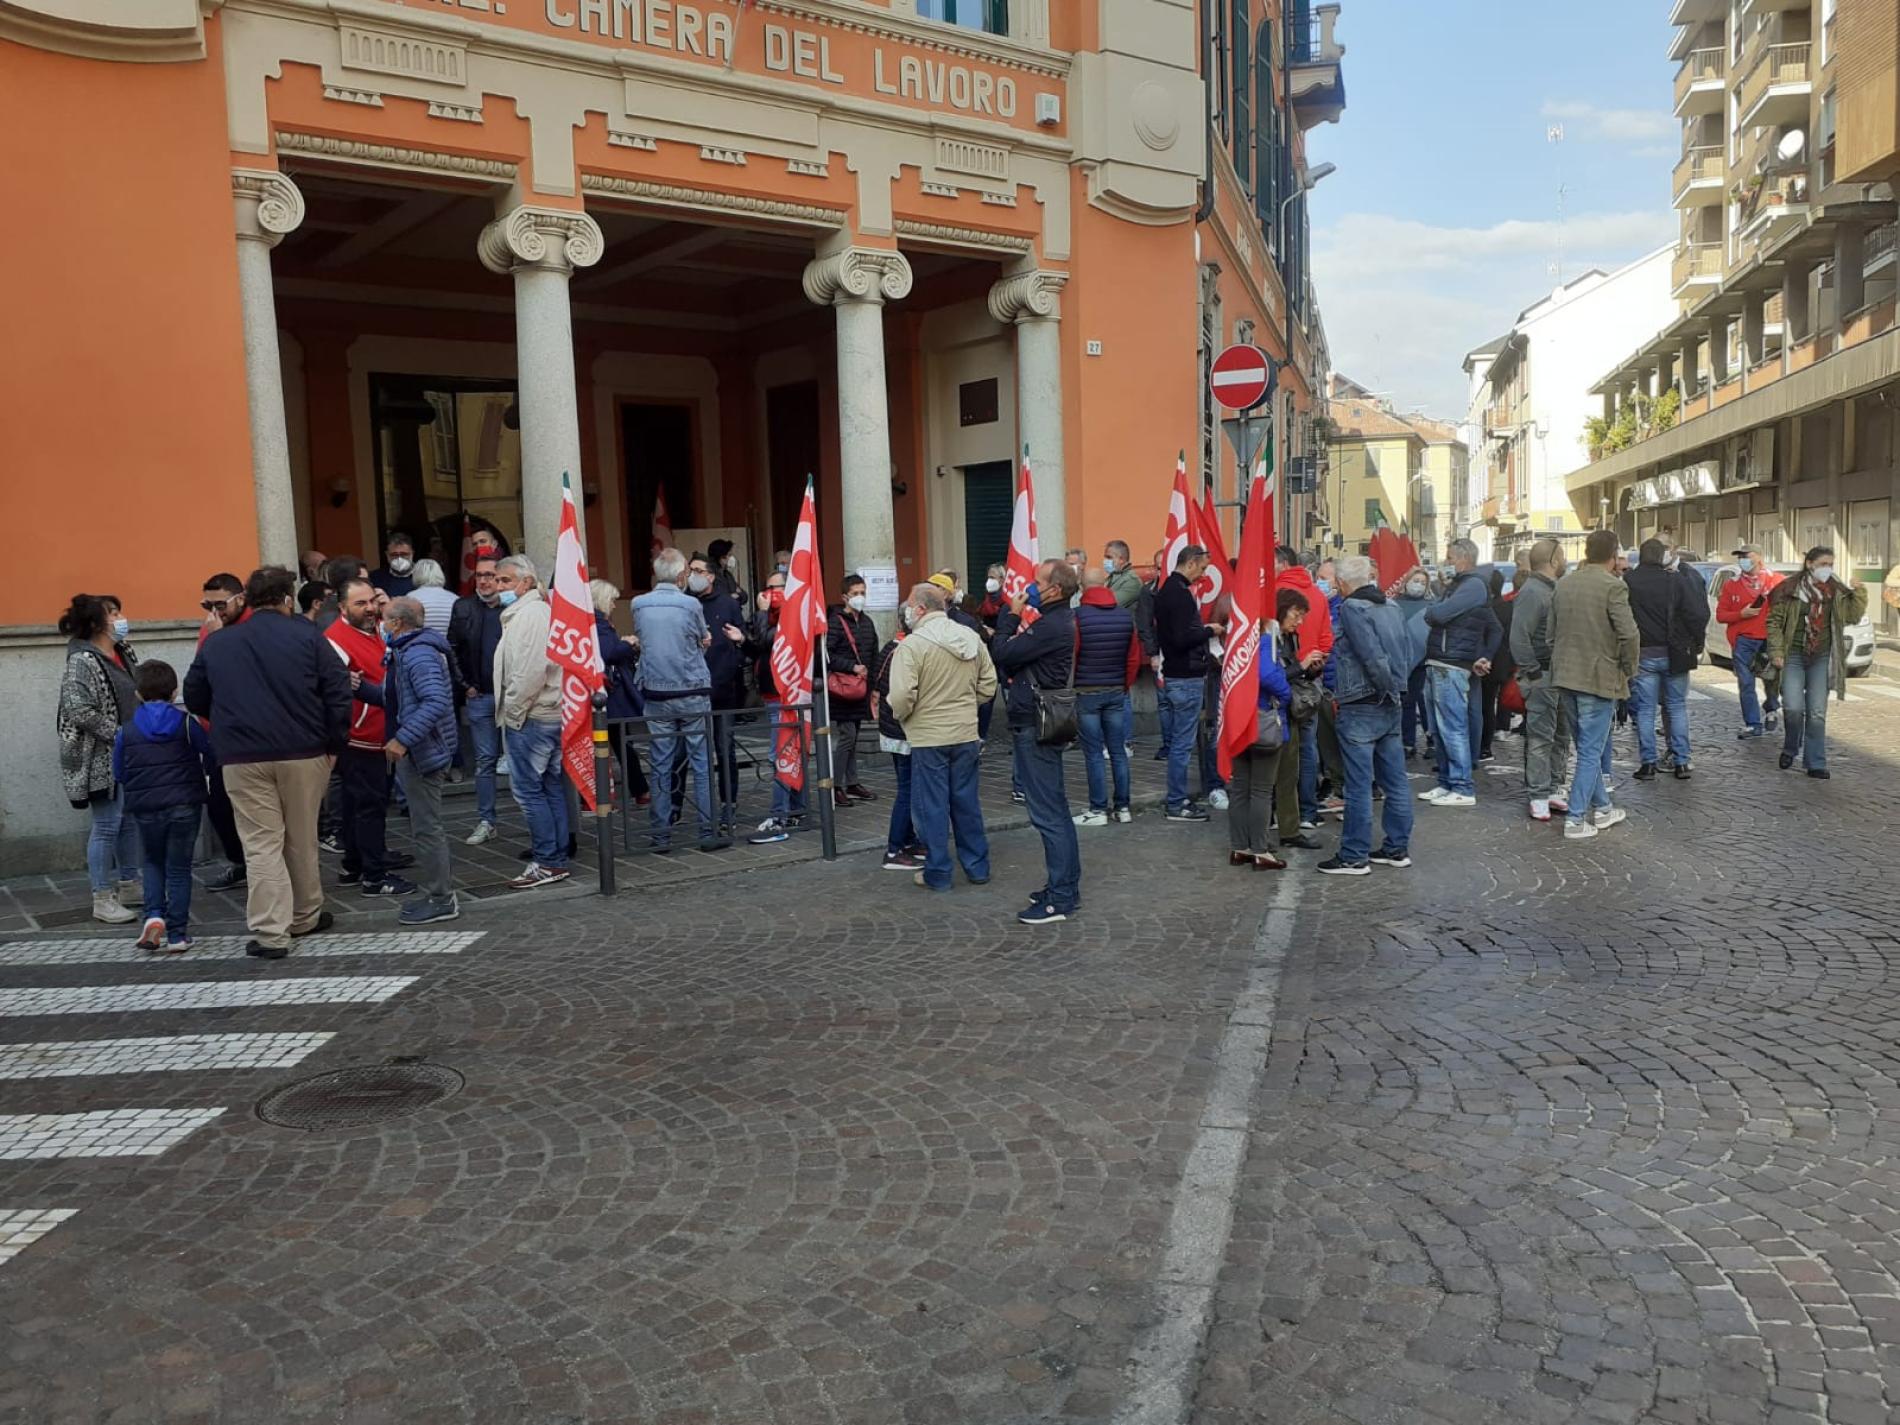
[(1031, 301), (857, 281), (1754, 327), (1850, 276), (540, 248), (1665, 371), (1796, 323), (1718, 351), (1691, 350), (268, 206)]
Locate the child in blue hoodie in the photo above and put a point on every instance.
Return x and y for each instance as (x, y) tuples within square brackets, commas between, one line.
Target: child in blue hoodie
[(160, 760)]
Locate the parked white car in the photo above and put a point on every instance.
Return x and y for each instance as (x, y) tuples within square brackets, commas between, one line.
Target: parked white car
[(1860, 636)]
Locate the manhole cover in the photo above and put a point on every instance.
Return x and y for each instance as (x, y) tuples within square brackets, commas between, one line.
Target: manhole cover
[(350, 1098)]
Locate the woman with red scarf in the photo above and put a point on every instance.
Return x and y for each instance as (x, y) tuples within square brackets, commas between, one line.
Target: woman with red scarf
[(1808, 619)]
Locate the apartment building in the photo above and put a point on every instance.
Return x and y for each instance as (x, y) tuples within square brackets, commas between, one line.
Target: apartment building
[(1763, 408), (1531, 397), (1444, 491)]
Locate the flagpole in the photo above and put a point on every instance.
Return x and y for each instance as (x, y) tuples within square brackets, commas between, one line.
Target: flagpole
[(821, 712)]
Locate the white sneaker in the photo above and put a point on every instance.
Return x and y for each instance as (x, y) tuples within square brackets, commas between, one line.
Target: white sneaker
[(1432, 794), (501, 767), (1092, 818), (1540, 810), (484, 831), (1456, 799), (1217, 799), (1578, 831), (1123, 814), (1607, 817), (106, 908)]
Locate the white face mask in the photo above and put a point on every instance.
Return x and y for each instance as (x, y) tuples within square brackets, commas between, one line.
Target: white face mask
[(698, 583), (992, 586), (1671, 560), (1824, 573), (910, 617), (401, 564), (855, 603), (732, 561), (1417, 591), (957, 594)]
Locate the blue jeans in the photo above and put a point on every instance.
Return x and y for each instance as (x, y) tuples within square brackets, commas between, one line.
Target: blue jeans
[(112, 844), (1099, 716), (1590, 719), (1370, 746), (1752, 708), (1804, 707), (678, 729), (1041, 769), (1417, 709), (787, 801), (901, 833), (168, 838), (1182, 699), (534, 773), (487, 739), (944, 802), (1654, 683), (1456, 719), (1309, 769)]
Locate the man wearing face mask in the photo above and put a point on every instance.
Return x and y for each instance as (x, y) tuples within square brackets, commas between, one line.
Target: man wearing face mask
[(937, 677), (1414, 596), (475, 634), (1743, 611), (723, 564), (670, 623), (1671, 620), (1808, 619), (725, 662), (1463, 635), (396, 577), (1546, 730), (788, 802), (1042, 655), (850, 644), (528, 708), (357, 637)]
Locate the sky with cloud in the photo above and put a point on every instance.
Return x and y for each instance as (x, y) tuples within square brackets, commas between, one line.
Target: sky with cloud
[(1442, 223)]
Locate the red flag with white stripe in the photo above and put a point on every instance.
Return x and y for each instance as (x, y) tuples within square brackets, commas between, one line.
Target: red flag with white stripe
[(1207, 534), (1180, 518), (662, 521), (572, 648), (801, 623), (1253, 592), (1019, 568)]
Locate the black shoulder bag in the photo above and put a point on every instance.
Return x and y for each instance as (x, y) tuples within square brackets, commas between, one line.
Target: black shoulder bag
[(1056, 724)]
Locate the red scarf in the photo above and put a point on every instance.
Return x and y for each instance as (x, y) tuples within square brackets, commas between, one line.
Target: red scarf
[(1817, 601)]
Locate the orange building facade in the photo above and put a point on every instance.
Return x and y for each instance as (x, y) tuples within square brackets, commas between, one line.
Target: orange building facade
[(324, 269)]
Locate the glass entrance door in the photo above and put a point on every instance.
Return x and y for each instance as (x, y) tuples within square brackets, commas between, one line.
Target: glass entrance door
[(446, 447)]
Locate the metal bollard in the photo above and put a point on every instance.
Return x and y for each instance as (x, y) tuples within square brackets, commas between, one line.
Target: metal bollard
[(827, 811), (603, 795)]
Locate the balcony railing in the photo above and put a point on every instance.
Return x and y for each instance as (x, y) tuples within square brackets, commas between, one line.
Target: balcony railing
[(1310, 40), (1705, 68), (1696, 262), (1700, 165), (1780, 67), (1880, 243)]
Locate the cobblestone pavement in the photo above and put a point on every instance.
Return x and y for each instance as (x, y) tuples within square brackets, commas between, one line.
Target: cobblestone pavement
[(1545, 1132)]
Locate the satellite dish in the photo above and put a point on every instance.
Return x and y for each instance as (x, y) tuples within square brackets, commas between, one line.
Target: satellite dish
[(1790, 146)]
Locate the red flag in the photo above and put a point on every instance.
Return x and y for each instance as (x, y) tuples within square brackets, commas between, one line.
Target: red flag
[(1393, 556), (1253, 601), (1180, 516), (468, 556), (662, 521), (1019, 569), (572, 649), (801, 623), (1206, 527)]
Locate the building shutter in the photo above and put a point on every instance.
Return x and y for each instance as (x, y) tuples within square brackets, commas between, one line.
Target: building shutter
[(1243, 82), (989, 505)]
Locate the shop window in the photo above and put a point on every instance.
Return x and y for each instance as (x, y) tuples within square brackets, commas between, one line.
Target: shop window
[(990, 16), (445, 447)]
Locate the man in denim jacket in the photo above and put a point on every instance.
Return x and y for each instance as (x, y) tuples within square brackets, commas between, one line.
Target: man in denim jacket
[(671, 626), (1372, 657)]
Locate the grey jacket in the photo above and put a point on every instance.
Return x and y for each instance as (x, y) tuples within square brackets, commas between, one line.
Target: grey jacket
[(671, 626), (1594, 643), (1530, 625), (96, 698)]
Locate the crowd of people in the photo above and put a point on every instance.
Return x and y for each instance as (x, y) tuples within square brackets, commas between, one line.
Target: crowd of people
[(316, 706)]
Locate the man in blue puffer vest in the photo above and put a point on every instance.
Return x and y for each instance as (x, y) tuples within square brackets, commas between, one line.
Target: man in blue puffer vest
[(1372, 653), (419, 703)]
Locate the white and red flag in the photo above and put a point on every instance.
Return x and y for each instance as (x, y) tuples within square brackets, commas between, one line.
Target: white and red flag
[(468, 557), (1207, 534), (1180, 518), (1019, 568), (1253, 592), (801, 623), (573, 648), (662, 521)]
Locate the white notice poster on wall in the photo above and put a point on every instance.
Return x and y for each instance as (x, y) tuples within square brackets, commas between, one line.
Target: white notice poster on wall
[(880, 586)]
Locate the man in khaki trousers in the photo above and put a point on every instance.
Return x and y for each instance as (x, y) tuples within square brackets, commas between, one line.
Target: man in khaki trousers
[(279, 703)]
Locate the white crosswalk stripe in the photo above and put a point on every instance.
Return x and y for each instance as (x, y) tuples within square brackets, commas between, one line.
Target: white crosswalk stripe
[(100, 950), (59, 1068), (101, 1133), (73, 1058)]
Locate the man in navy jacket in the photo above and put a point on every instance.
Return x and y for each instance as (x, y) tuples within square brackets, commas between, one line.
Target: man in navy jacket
[(279, 704), (1462, 634), (423, 718)]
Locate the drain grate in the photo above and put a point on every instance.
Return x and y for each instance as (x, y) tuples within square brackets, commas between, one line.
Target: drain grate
[(351, 1098)]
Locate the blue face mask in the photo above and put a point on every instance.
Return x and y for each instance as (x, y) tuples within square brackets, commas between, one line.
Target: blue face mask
[(1325, 586), (1747, 565), (121, 628), (505, 597)]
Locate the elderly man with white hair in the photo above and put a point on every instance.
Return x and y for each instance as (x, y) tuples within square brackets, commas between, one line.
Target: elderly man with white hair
[(433, 593), (528, 708), (671, 627), (1372, 660)]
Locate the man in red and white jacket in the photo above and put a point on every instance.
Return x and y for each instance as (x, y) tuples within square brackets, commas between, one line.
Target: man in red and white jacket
[(1743, 611), (362, 768)]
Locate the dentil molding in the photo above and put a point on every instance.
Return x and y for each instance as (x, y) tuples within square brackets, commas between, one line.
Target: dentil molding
[(268, 205), (551, 238), (1028, 297), (858, 274)]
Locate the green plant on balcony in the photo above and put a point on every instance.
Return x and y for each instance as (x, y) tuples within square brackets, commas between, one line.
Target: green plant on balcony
[(1666, 411), (1636, 419)]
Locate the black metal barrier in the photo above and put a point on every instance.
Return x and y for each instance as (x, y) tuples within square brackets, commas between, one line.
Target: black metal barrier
[(742, 782)]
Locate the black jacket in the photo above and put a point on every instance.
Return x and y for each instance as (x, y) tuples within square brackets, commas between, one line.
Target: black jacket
[(725, 660), (1144, 612), (274, 689), (887, 723), (1043, 652), (1179, 630), (474, 631), (842, 629), (1668, 613)]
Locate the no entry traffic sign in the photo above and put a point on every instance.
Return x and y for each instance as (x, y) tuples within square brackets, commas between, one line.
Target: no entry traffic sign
[(1243, 377)]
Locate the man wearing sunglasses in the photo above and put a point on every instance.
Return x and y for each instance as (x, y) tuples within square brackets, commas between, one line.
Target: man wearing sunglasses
[(223, 605)]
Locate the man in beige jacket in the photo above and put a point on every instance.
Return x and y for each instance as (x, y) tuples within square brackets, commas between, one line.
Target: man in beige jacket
[(528, 708), (1594, 651), (940, 675)]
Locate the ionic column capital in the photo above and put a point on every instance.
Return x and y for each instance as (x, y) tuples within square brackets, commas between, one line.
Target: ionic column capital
[(268, 205), (858, 274), (552, 239), (1034, 296)]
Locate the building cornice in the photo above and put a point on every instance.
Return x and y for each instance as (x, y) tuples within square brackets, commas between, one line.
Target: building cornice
[(382, 155), (671, 195), (947, 235)]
